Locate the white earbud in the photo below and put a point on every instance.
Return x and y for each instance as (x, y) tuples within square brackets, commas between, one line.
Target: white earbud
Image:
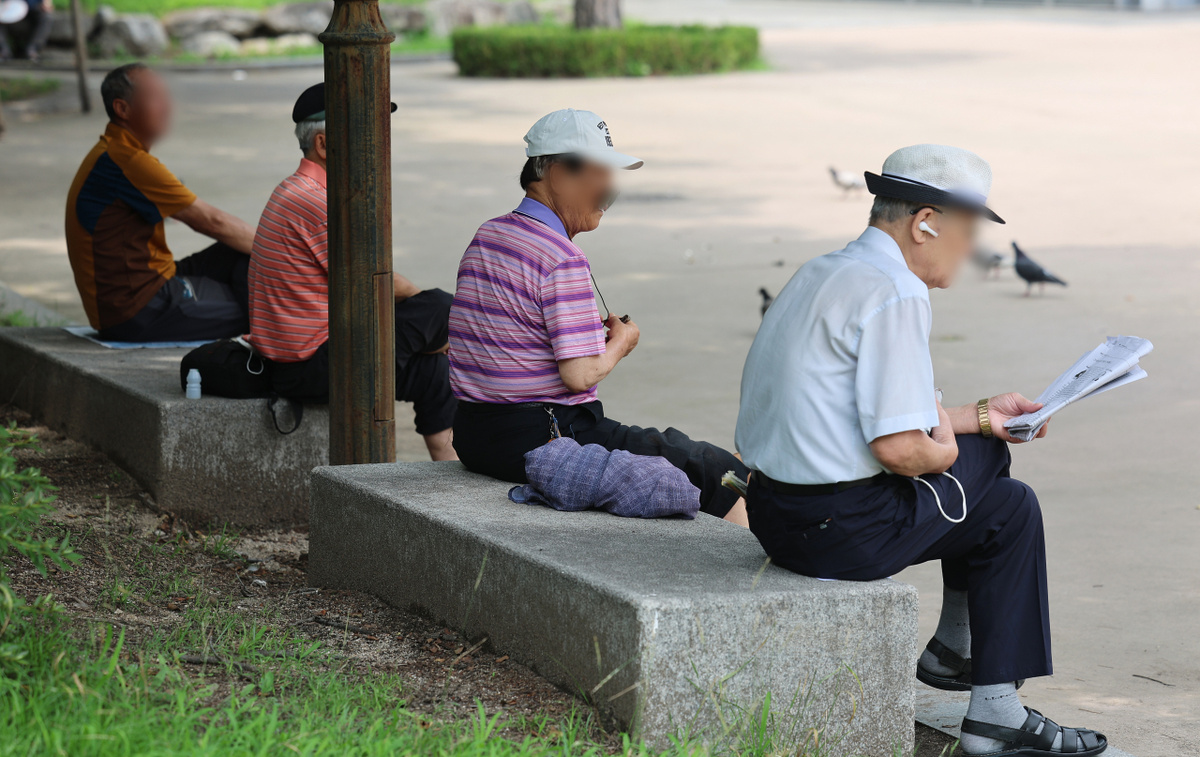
[(925, 228)]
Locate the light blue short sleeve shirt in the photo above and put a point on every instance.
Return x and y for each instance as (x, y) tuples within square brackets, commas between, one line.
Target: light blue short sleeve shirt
[(841, 359)]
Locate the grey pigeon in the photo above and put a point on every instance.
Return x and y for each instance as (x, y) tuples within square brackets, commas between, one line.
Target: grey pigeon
[(1032, 272), (848, 181), (988, 260), (767, 299)]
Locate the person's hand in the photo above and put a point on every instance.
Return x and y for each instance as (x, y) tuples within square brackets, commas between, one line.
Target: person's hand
[(1003, 407), (624, 335), (943, 434)]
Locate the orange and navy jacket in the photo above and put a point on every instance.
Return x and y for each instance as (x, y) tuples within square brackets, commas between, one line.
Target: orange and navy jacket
[(114, 222)]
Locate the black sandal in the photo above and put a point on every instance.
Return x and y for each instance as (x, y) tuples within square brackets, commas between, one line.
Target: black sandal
[(1027, 742), (960, 681)]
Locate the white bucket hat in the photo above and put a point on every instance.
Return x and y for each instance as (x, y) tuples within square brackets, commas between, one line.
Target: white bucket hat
[(936, 175), (576, 132)]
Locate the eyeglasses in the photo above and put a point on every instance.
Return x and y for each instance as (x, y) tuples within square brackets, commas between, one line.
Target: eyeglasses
[(914, 211)]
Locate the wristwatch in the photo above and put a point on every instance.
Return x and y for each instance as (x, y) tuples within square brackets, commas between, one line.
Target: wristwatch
[(985, 421)]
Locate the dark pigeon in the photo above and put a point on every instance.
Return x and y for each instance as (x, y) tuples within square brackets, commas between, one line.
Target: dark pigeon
[(1032, 272), (767, 299)]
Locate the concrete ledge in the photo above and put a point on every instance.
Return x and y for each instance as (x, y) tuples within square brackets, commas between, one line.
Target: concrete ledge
[(210, 460), (667, 626)]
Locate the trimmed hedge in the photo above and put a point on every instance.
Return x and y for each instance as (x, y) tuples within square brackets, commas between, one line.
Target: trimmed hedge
[(554, 51)]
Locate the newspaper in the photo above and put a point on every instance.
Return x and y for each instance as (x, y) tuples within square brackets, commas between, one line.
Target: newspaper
[(1112, 364)]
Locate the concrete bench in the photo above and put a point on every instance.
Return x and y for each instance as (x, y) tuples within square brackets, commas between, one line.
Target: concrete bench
[(211, 460), (668, 626)]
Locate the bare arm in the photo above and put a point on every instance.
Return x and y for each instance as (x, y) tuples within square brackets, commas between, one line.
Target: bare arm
[(914, 453), (1002, 407), (403, 288), (582, 373), (216, 223)]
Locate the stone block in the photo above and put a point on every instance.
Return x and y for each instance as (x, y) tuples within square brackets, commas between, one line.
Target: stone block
[(403, 19), (667, 626), (238, 22), (62, 28), (210, 460), (137, 34), (211, 44), (298, 18)]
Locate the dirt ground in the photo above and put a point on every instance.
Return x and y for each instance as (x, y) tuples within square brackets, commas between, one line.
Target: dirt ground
[(261, 576)]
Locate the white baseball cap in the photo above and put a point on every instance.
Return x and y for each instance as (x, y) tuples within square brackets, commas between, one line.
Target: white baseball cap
[(937, 175), (577, 132)]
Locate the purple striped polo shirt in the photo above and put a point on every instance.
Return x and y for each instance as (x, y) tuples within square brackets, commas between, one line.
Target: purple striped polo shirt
[(524, 301)]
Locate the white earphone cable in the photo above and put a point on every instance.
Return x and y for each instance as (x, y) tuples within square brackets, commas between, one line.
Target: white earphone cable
[(938, 499)]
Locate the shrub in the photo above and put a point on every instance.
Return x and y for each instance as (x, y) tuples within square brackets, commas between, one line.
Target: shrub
[(25, 499), (552, 51)]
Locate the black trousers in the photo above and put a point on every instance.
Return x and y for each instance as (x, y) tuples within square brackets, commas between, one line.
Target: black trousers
[(422, 324), (208, 298), (492, 439), (997, 555), (37, 32)]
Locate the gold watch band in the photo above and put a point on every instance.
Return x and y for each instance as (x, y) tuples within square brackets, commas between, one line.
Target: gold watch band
[(985, 421)]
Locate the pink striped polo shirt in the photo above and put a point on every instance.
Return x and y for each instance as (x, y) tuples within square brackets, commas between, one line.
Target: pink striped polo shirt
[(524, 301), (289, 269)]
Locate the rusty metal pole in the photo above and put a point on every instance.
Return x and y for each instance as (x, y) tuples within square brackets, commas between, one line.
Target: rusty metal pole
[(362, 365), (85, 98)]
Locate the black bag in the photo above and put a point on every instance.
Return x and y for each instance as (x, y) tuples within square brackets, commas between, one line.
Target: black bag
[(228, 368)]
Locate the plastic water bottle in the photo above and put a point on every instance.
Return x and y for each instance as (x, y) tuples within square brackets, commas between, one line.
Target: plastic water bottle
[(193, 385)]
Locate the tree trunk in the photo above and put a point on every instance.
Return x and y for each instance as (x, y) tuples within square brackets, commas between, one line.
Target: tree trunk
[(85, 100), (593, 14)]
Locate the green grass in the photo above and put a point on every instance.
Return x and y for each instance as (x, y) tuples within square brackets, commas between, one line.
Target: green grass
[(16, 317), (409, 46), (95, 696), (21, 319), (163, 7), (85, 686), (414, 45), (86, 689), (25, 87)]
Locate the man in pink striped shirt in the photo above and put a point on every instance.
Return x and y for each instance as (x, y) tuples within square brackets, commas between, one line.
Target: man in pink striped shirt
[(528, 346), (289, 296)]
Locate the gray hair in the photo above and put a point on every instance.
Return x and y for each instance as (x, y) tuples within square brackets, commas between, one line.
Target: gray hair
[(535, 168), (118, 85), (306, 134), (891, 210)]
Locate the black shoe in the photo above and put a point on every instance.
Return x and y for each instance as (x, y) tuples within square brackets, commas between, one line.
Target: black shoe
[(960, 680), (1034, 739)]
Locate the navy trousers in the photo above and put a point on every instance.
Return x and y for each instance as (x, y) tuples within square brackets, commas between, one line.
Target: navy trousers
[(998, 554)]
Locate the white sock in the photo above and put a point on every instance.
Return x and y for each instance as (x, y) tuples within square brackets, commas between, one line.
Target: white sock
[(998, 705), (954, 630)]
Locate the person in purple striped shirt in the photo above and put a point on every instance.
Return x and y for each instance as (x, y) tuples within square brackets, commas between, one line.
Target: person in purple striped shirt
[(528, 345)]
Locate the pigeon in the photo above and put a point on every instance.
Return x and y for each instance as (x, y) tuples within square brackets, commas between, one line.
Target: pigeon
[(767, 299), (1032, 272), (987, 260), (847, 180)]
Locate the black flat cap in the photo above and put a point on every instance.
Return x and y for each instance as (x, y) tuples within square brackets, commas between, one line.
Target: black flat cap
[(311, 104)]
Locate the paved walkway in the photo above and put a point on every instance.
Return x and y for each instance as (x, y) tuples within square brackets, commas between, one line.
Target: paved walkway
[(1089, 120)]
